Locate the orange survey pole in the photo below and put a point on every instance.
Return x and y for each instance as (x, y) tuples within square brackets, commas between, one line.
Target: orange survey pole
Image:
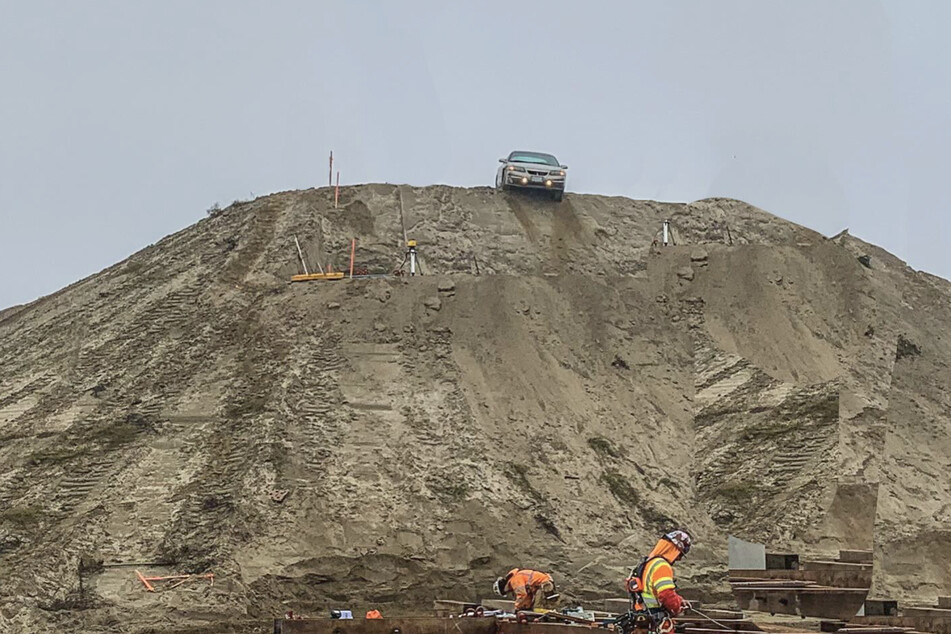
[(148, 586), (353, 251), (337, 190), (178, 580)]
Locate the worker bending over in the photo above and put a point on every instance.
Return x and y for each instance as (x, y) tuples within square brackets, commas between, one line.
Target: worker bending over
[(652, 584), (532, 589)]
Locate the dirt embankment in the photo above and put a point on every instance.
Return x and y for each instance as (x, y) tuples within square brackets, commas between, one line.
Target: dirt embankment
[(554, 392), (6, 313)]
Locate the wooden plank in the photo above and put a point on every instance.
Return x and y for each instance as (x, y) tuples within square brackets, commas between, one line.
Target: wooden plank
[(335, 275), (427, 625), (927, 611), (835, 565), (772, 583), (871, 629)]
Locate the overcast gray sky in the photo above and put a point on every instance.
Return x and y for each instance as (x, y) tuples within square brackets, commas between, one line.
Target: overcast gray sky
[(122, 121)]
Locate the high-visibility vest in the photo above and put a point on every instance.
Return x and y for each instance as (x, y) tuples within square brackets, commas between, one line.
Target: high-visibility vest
[(658, 576)]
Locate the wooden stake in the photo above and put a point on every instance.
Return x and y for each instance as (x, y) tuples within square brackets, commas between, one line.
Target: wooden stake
[(148, 586), (353, 251), (301, 254), (169, 578)]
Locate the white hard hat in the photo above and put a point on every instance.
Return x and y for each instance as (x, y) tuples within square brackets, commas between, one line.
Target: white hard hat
[(499, 586)]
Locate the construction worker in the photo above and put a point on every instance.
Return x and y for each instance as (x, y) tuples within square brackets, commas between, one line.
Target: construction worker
[(533, 590), (651, 583)]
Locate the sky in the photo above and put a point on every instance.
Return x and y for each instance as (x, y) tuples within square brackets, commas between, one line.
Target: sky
[(123, 121)]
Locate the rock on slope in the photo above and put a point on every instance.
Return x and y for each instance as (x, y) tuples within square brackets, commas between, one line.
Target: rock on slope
[(553, 393)]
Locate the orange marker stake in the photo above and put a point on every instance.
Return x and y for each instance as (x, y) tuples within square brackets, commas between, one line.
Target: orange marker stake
[(148, 586)]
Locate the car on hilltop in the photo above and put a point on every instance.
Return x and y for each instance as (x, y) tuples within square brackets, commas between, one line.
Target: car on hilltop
[(532, 170)]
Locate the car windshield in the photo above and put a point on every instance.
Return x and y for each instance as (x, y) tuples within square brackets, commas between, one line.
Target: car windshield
[(533, 157)]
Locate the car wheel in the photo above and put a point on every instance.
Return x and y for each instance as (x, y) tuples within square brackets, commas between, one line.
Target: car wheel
[(500, 182), (557, 195)]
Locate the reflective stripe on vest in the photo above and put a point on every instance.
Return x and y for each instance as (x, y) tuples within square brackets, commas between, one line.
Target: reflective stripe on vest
[(653, 587)]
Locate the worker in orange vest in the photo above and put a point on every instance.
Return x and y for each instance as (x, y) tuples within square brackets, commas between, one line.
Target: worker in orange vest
[(652, 585), (532, 589)]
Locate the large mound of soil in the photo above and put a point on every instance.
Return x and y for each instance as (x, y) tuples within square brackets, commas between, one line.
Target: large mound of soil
[(553, 393)]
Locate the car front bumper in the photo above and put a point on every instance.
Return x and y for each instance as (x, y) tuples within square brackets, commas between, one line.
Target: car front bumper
[(521, 179)]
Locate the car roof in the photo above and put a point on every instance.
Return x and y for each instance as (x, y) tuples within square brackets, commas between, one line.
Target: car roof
[(531, 153)]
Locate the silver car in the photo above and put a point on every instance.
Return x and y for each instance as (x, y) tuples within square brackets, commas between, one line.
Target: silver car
[(532, 170)]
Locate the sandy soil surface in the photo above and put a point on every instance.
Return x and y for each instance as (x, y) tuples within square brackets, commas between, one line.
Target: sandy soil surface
[(553, 393)]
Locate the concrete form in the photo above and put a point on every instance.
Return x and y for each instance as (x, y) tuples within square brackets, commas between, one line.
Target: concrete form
[(833, 589)]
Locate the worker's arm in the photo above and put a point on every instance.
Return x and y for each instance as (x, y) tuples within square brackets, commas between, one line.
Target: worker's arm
[(672, 602), (523, 601), (666, 590)]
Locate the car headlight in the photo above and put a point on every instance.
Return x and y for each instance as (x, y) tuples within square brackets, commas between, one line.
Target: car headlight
[(561, 173), (513, 168)]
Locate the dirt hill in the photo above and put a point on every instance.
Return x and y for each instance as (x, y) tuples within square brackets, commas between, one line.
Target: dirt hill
[(553, 392)]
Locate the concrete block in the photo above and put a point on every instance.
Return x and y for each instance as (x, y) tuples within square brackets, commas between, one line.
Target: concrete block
[(856, 556), (744, 555), (444, 607), (782, 561), (881, 607)]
